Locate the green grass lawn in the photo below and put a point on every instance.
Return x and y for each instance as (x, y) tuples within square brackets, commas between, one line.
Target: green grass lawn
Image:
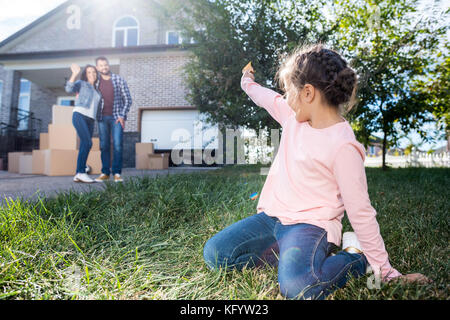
[(144, 239)]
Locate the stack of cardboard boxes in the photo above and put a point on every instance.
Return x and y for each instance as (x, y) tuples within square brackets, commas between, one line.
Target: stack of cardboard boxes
[(58, 150), (14, 161), (147, 159)]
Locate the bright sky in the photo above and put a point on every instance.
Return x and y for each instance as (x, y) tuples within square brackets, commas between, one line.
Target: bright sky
[(16, 14)]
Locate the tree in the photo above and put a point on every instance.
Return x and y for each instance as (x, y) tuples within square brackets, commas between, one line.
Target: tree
[(437, 89), (393, 49), (230, 33)]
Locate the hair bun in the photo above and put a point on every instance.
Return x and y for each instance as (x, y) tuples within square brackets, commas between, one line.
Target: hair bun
[(323, 68), (341, 89)]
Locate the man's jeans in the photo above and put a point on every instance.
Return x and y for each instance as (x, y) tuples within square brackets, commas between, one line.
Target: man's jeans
[(107, 127), (85, 128), (306, 268)]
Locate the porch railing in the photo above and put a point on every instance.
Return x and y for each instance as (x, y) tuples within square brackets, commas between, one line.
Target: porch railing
[(21, 137), (414, 159)]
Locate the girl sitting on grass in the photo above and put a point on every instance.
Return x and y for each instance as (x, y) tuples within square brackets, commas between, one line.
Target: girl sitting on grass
[(317, 174)]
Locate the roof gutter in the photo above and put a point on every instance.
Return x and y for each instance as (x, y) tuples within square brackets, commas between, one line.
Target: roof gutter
[(90, 52)]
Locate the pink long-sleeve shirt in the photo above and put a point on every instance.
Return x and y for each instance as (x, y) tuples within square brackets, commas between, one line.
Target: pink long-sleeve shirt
[(316, 175)]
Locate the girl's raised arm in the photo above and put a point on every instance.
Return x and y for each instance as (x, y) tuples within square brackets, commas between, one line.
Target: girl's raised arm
[(268, 99)]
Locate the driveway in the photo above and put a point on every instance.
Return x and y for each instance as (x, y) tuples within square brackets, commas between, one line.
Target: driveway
[(32, 186)]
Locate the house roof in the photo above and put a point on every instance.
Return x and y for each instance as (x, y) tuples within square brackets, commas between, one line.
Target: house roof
[(375, 139), (35, 23), (37, 55)]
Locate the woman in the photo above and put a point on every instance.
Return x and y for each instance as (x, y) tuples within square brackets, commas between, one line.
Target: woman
[(84, 114)]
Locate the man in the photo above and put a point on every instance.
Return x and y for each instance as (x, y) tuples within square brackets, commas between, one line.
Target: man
[(114, 107)]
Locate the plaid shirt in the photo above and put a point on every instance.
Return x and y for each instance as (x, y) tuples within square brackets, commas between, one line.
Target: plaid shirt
[(122, 98)]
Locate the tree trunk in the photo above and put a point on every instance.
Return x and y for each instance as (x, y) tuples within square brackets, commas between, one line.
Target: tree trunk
[(384, 167), (448, 140), (385, 126)]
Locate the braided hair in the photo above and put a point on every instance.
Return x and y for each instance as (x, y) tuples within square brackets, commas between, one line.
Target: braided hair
[(322, 68)]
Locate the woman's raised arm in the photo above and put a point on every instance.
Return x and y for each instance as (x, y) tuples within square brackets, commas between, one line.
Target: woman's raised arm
[(71, 85)]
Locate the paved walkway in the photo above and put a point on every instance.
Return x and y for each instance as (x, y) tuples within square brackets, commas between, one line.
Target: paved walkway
[(32, 186)]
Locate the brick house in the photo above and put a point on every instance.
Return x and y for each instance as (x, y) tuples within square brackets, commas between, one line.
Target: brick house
[(35, 61), (375, 148)]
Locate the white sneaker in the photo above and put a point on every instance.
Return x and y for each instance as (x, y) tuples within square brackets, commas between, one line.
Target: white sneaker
[(117, 178), (83, 178), (350, 243)]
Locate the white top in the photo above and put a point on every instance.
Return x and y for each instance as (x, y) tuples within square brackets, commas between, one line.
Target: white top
[(92, 111)]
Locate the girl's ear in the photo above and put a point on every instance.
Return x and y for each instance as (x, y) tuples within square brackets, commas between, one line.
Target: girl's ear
[(308, 93)]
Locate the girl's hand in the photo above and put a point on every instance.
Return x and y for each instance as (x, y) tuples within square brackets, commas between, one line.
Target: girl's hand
[(75, 69), (413, 278), (249, 74)]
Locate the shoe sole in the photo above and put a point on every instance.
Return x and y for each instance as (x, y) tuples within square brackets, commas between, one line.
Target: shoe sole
[(353, 250), (79, 181)]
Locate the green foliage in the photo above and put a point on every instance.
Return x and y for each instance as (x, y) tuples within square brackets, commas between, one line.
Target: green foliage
[(230, 33), (394, 50), (436, 89)]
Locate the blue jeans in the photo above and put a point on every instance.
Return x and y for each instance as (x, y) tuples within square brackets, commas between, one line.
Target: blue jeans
[(85, 128), (306, 268), (106, 127)]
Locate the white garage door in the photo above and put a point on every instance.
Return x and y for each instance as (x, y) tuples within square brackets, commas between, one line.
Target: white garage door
[(177, 129)]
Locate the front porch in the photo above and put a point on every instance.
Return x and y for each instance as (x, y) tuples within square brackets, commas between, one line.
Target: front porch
[(35, 81), (31, 88)]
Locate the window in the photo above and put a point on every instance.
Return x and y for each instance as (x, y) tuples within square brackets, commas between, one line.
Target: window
[(66, 101), (174, 37), (24, 104), (126, 32)]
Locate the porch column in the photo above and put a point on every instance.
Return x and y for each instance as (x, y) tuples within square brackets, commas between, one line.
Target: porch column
[(10, 97)]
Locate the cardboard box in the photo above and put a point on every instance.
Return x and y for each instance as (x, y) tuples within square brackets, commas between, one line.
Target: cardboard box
[(60, 162), (159, 161), (95, 162), (38, 166), (63, 137), (152, 161), (95, 144), (43, 141), (62, 115), (25, 164), (142, 162), (13, 161), (145, 148)]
